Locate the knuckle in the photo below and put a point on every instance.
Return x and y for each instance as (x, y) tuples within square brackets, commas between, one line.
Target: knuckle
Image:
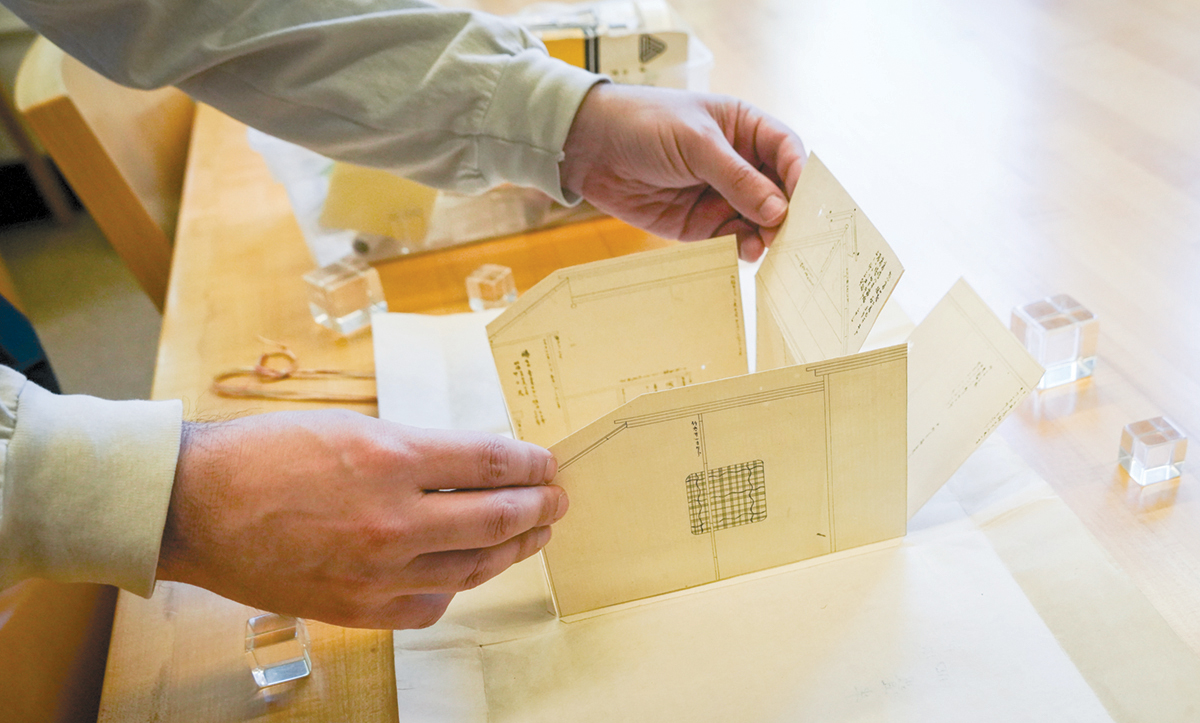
[(345, 611), (528, 546), (479, 570), (496, 460), (743, 176), (709, 137), (362, 582), (502, 517), (379, 530)]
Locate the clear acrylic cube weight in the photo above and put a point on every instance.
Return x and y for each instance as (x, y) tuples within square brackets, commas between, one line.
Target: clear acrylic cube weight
[(1152, 450), (491, 286), (343, 295), (1061, 334), (277, 648)]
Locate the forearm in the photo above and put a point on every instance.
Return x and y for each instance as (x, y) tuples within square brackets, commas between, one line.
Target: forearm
[(450, 98)]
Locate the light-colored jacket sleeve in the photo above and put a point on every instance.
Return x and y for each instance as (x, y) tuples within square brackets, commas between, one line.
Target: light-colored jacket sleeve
[(85, 485), (454, 99), (451, 98)]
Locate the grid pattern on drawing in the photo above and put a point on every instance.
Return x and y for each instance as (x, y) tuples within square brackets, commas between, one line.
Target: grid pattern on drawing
[(728, 497)]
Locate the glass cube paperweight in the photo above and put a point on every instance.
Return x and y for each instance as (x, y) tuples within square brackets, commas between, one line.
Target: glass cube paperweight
[(1152, 450), (491, 286), (277, 646), (343, 295), (1061, 335)]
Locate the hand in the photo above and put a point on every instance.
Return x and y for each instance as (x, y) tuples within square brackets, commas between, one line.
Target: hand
[(683, 165), (352, 520)]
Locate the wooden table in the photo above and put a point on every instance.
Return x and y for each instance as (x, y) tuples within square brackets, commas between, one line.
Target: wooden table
[(1033, 147)]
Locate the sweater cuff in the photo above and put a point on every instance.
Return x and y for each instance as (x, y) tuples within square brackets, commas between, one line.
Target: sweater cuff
[(89, 485), (533, 86)]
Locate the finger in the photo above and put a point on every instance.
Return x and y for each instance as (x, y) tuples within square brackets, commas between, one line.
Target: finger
[(781, 151), (750, 193), (710, 216), (458, 570), (751, 247), (470, 519), (450, 460), (409, 612), (695, 214), (766, 143)]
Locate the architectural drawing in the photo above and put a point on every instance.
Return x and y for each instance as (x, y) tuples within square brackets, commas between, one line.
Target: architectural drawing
[(826, 277), (967, 371), (705, 482), (589, 338), (727, 497)]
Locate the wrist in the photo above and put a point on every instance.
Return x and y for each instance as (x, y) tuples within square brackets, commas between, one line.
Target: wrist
[(581, 147), (193, 469)]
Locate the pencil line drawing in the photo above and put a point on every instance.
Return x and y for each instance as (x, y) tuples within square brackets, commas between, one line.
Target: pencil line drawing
[(815, 269), (825, 278), (967, 373), (583, 285), (563, 361), (726, 497)]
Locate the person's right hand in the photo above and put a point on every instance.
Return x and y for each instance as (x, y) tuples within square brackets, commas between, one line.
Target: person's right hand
[(351, 520)]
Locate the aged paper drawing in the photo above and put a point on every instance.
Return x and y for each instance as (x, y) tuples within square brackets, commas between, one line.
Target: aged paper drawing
[(589, 338), (826, 277), (966, 373), (705, 482)]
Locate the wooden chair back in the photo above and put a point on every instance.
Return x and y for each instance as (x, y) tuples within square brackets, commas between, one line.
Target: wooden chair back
[(53, 647), (122, 150)]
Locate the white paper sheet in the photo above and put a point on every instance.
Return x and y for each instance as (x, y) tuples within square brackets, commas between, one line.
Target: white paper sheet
[(933, 629), (437, 372)]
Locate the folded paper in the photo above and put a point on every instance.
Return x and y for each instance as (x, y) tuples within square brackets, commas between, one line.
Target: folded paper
[(709, 481), (823, 449)]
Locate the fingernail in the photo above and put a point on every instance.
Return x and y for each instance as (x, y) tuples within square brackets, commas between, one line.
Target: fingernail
[(551, 469), (543, 536), (773, 209), (563, 504)]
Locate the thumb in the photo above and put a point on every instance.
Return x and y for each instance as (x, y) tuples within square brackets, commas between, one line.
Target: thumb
[(751, 194)]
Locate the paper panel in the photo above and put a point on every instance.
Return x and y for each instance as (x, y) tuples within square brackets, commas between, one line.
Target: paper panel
[(966, 373), (692, 485), (826, 277), (589, 338)]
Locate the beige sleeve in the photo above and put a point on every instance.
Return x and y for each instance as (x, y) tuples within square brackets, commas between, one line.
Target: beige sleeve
[(451, 98), (86, 483)]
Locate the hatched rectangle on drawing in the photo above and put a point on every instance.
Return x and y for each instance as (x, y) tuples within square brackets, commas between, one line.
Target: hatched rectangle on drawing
[(728, 497)]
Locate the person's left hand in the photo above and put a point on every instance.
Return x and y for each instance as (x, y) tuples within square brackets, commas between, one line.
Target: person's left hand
[(685, 165)]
